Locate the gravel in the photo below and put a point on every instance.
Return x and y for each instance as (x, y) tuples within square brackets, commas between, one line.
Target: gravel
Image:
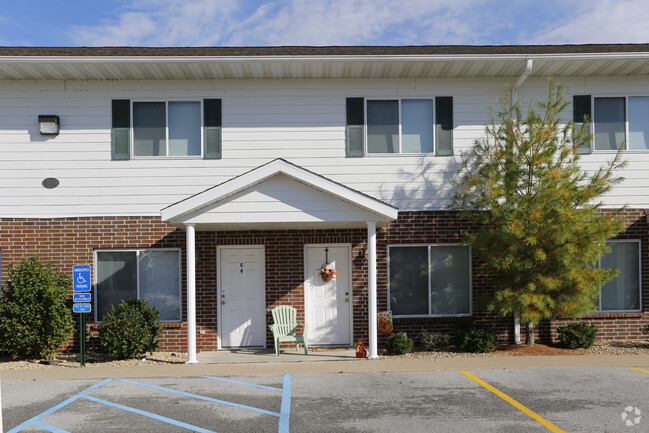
[(94, 360)]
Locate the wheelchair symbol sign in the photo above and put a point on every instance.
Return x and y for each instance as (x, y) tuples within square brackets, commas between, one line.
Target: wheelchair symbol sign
[(81, 278)]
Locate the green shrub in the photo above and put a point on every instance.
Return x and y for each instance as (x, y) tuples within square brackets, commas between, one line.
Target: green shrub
[(398, 344), (474, 338), (434, 340), (34, 317), (578, 335), (131, 329)]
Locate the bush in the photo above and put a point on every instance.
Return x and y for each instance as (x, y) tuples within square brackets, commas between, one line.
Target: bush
[(398, 344), (131, 329), (579, 335), (434, 340), (474, 338), (34, 317)]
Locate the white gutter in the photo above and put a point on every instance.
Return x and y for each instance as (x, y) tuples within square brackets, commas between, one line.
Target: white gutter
[(323, 58)]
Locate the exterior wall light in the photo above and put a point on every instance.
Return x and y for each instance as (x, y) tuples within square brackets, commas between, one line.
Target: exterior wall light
[(49, 124)]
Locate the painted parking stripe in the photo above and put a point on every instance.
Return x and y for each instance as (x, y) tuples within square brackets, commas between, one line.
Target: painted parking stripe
[(640, 369), (517, 405), (283, 415), (48, 427), (74, 398), (243, 383), (201, 397), (149, 414), (285, 411)]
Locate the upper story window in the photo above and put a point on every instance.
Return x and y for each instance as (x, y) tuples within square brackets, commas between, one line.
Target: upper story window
[(617, 121), (407, 126), (166, 129)]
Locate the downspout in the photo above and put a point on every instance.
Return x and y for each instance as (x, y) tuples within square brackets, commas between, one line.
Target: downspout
[(528, 69)]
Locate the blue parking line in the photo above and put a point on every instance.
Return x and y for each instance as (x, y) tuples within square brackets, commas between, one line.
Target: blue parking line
[(285, 411), (49, 427), (50, 411), (243, 383), (149, 414), (201, 397), (283, 415)]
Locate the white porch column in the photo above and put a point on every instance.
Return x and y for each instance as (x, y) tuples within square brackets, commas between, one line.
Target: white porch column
[(371, 283), (190, 233)]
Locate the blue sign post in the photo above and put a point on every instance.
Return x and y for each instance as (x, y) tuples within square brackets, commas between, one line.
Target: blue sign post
[(81, 282)]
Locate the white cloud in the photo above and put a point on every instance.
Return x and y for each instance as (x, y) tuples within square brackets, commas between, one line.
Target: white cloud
[(285, 22), (602, 21), (368, 22)]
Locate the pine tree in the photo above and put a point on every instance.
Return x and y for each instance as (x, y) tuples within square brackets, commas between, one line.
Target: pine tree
[(539, 226)]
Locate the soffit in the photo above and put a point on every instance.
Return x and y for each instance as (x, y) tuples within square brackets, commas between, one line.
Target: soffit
[(124, 63)]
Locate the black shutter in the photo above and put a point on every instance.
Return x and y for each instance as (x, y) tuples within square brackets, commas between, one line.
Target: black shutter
[(582, 112), (212, 129), (355, 131), (444, 125), (120, 146)]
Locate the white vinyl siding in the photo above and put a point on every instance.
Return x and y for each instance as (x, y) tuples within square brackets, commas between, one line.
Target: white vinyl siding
[(302, 121)]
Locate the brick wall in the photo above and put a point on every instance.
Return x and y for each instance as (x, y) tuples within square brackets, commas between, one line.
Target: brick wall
[(69, 241)]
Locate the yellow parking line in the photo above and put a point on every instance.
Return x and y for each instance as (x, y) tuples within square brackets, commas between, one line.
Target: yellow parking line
[(639, 369), (517, 405)]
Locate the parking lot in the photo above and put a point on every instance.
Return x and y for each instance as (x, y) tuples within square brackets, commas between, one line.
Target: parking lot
[(613, 399)]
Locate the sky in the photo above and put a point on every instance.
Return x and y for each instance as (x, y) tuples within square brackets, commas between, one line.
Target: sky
[(321, 22)]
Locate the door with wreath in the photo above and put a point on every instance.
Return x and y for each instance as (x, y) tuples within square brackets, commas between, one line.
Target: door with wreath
[(328, 295)]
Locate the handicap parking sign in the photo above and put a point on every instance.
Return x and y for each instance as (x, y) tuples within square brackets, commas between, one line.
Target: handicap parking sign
[(81, 278)]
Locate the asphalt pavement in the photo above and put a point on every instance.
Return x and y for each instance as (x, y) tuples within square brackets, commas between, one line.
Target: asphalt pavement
[(335, 392)]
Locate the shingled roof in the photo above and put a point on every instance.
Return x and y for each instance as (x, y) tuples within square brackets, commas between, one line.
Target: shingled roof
[(428, 50)]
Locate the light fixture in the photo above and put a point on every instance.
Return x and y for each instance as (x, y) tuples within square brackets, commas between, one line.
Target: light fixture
[(49, 124)]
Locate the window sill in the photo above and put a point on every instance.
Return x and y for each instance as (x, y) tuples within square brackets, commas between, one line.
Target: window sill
[(433, 316), (171, 325), (165, 158), (614, 315), (403, 155)]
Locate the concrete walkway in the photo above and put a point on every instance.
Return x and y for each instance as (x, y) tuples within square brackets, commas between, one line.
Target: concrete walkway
[(247, 362)]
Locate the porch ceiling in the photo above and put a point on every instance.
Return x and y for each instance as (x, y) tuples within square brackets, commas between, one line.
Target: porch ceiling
[(278, 196)]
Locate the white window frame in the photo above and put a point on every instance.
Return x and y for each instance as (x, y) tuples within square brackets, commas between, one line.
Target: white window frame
[(137, 252), (166, 102), (599, 261), (469, 314), (626, 122), (399, 100)]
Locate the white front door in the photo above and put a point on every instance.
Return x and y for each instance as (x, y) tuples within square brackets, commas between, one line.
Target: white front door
[(242, 296), (328, 303)]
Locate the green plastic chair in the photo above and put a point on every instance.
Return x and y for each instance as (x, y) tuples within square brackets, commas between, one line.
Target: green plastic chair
[(285, 328)]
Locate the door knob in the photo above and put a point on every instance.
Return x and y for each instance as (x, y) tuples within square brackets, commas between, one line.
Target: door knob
[(346, 299), (222, 302)]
